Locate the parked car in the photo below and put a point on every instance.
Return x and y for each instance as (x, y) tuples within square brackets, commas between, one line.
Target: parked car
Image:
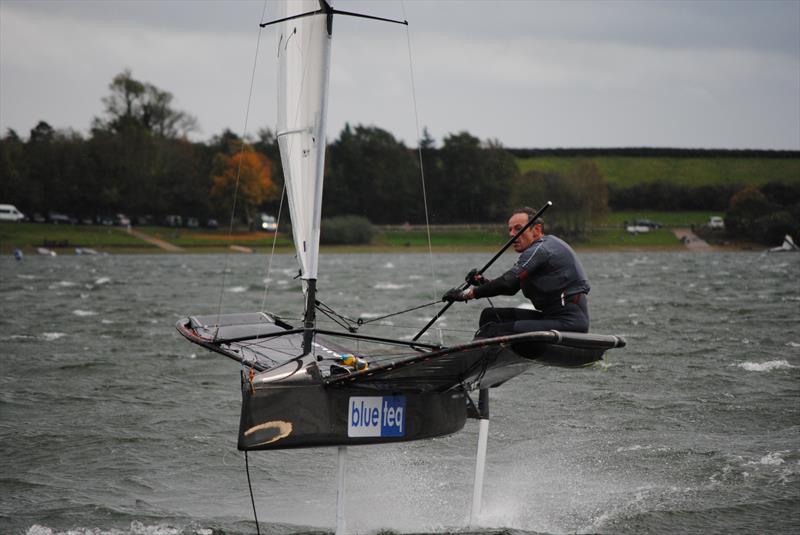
[(268, 223), (122, 220), (173, 221), (58, 219), (716, 223), (647, 223), (192, 222), (9, 212), (212, 223)]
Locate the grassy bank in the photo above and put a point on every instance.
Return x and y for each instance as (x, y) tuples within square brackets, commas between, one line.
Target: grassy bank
[(627, 171), (66, 238)]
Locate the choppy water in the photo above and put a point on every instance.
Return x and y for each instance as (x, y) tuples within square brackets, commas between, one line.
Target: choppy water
[(113, 424)]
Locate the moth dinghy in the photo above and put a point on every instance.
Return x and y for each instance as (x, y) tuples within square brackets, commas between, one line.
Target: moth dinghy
[(305, 386)]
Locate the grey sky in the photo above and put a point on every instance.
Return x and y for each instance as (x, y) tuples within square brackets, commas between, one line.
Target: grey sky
[(530, 74)]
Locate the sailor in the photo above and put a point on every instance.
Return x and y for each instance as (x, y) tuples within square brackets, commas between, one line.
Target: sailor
[(549, 274)]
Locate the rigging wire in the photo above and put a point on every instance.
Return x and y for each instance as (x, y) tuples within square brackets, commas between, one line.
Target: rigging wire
[(419, 149), (348, 322), (239, 167), (272, 253)]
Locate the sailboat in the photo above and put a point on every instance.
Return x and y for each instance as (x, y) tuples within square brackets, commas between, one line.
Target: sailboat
[(788, 246), (305, 386)]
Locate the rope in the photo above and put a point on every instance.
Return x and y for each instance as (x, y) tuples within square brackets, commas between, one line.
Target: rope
[(419, 151), (250, 486), (239, 168)]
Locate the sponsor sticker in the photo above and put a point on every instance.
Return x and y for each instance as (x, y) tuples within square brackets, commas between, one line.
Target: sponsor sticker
[(376, 416)]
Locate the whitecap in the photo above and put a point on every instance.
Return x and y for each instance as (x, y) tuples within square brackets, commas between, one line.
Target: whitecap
[(237, 289), (635, 447), (765, 366), (27, 277), (773, 459), (84, 313), (793, 344), (389, 286), (105, 321), (102, 280), (14, 337), (62, 284), (52, 336), (388, 265)]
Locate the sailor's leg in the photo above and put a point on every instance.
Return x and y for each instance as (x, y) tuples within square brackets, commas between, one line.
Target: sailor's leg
[(571, 317), (502, 321)]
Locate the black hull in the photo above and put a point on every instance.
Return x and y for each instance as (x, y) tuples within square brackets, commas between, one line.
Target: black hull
[(315, 415), (294, 399)]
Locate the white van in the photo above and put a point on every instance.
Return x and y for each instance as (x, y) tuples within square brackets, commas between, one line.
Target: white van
[(9, 212)]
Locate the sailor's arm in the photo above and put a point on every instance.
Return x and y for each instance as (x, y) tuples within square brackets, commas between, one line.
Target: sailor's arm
[(505, 284)]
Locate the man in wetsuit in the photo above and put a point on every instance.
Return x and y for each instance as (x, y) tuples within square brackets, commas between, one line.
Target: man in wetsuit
[(549, 274)]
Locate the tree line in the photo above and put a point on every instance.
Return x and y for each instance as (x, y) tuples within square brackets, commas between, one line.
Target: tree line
[(137, 160)]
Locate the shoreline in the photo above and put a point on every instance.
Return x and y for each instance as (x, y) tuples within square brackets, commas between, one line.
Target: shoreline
[(30, 239), (381, 249)]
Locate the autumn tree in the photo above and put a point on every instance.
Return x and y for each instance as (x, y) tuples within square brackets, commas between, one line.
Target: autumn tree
[(244, 178)]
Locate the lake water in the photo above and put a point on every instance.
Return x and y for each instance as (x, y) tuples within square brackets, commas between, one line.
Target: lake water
[(111, 423)]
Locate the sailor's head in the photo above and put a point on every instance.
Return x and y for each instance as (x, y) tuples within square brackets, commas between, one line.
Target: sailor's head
[(519, 218)]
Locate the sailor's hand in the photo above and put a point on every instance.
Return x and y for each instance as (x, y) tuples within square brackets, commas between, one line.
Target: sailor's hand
[(456, 294), (474, 278)]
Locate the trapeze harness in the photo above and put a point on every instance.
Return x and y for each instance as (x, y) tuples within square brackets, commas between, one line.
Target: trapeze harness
[(551, 276)]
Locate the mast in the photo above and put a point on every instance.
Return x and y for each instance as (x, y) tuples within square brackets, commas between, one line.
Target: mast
[(304, 48), (304, 52)]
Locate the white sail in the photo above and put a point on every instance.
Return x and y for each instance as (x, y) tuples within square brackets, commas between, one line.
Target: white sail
[(304, 48)]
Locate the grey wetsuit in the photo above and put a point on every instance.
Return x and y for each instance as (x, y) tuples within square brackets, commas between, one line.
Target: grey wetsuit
[(550, 274)]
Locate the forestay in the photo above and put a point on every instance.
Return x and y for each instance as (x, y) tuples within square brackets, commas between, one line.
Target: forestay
[(304, 49)]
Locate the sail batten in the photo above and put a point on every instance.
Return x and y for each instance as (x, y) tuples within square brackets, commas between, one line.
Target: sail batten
[(304, 66)]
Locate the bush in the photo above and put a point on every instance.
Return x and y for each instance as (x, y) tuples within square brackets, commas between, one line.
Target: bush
[(771, 228), (346, 230)]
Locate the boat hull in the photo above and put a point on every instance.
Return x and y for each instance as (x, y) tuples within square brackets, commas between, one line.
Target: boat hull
[(316, 415)]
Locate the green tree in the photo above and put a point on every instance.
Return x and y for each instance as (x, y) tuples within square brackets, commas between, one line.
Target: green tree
[(141, 105), (473, 180), (580, 198), (370, 173), (14, 185)]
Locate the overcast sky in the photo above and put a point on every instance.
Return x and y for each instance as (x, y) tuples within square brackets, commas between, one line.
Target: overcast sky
[(529, 74)]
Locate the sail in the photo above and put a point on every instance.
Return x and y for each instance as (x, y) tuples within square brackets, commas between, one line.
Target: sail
[(304, 63)]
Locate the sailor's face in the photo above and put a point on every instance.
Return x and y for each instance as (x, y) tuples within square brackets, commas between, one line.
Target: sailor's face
[(531, 234)]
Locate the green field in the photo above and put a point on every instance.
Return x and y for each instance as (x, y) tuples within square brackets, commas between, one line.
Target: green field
[(667, 219), (65, 238), (491, 235), (29, 236), (627, 171), (193, 238)]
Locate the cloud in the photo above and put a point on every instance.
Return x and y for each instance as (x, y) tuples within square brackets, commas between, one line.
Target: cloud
[(697, 74)]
